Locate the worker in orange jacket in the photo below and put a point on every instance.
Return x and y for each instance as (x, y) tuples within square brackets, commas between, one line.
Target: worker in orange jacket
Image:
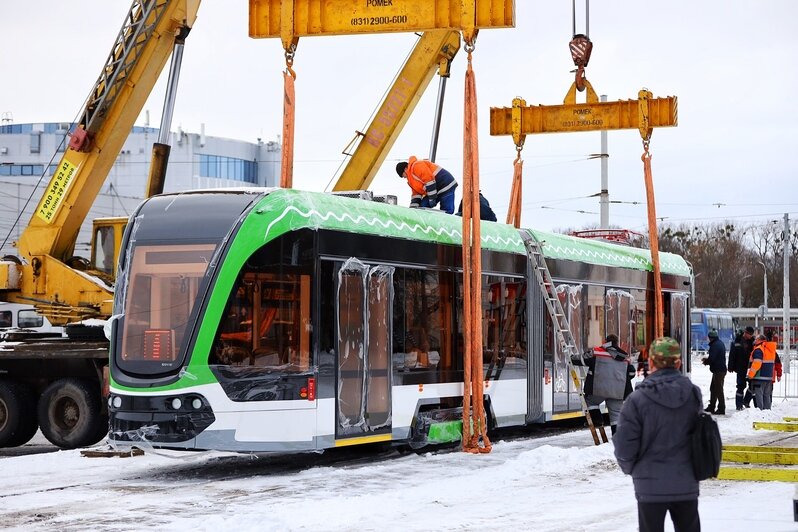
[(431, 184), (760, 372)]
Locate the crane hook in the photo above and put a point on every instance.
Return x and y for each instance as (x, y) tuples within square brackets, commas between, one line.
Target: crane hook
[(580, 47)]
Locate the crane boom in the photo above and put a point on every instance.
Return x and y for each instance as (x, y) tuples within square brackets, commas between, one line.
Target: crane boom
[(137, 58), (433, 52)]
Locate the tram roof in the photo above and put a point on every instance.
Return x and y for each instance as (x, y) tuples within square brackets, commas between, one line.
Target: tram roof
[(293, 209)]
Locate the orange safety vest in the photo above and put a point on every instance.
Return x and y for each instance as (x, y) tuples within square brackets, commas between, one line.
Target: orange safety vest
[(763, 368), (420, 174)]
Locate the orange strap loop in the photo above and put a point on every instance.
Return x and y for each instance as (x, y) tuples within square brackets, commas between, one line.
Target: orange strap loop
[(659, 317), (514, 210), (287, 169), (474, 419)]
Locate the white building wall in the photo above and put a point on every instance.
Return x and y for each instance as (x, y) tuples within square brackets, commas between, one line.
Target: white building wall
[(125, 184)]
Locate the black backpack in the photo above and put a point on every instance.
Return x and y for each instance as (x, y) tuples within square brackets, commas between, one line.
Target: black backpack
[(705, 445)]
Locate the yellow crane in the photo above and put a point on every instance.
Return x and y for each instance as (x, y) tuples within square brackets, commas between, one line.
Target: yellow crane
[(433, 52), (45, 272)]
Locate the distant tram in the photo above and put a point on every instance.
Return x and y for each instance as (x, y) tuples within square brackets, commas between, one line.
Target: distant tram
[(278, 320), (704, 320)]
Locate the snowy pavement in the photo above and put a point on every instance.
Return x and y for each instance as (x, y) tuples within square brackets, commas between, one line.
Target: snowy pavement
[(554, 483)]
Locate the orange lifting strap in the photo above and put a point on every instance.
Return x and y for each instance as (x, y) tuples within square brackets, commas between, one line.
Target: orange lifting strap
[(287, 170), (514, 210), (659, 321), (474, 420)]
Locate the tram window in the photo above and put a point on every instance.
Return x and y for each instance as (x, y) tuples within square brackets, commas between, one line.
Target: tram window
[(620, 306), (639, 339), (504, 321), (267, 317), (422, 324), (595, 322), (571, 299), (5, 318)]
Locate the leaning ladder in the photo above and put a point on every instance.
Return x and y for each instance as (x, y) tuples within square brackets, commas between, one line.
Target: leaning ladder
[(562, 330)]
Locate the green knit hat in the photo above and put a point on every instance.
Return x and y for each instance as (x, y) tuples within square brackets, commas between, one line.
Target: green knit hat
[(665, 347)]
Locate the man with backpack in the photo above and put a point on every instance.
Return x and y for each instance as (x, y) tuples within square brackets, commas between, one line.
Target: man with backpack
[(653, 441)]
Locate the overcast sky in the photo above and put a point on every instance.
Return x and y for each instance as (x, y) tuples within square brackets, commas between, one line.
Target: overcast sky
[(731, 63)]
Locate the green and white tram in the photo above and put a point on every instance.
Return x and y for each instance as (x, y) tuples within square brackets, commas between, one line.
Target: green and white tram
[(279, 320)]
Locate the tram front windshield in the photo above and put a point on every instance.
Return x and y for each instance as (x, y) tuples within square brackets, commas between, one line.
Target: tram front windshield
[(173, 243), (163, 288)]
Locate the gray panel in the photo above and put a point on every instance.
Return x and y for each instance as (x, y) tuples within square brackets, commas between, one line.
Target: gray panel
[(536, 332)]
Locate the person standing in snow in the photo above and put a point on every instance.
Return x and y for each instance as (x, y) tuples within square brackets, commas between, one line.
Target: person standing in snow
[(761, 371), (738, 362), (609, 379), (717, 365), (652, 443)]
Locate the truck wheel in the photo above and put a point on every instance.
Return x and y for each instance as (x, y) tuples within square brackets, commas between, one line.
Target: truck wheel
[(17, 414), (29, 420), (70, 413)]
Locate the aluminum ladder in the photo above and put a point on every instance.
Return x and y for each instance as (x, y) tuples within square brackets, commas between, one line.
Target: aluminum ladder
[(562, 330)]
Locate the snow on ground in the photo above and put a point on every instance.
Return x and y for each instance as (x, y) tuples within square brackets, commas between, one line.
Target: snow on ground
[(553, 483)]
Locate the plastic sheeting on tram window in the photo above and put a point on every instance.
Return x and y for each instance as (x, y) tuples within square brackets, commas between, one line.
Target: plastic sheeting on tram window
[(619, 306), (364, 307)]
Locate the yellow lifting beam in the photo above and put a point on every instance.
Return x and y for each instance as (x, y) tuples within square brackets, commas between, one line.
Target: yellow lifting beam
[(290, 19), (644, 114)]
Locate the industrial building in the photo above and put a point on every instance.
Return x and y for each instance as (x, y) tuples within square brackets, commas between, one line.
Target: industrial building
[(29, 154)]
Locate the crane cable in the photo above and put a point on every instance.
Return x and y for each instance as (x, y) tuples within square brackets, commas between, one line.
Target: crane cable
[(287, 168), (474, 419), (580, 46)]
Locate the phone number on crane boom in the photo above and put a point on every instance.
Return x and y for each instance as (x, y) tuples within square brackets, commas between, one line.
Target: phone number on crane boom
[(376, 21)]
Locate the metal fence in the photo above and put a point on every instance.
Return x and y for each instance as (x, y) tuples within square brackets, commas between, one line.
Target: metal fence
[(788, 387)]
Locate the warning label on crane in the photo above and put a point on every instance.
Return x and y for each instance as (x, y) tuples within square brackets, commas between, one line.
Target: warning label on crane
[(54, 195)]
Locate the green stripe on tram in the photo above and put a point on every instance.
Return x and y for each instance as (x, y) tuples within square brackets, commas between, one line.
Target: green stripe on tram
[(291, 209)]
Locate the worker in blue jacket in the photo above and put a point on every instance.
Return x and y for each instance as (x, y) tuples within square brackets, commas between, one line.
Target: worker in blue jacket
[(716, 360)]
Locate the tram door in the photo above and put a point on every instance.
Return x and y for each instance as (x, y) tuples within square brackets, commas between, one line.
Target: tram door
[(364, 305)]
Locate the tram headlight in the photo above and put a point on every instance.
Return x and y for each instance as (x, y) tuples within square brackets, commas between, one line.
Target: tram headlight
[(176, 403), (117, 401), (196, 404)]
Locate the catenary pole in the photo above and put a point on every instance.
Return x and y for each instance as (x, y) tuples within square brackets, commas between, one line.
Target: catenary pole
[(786, 302), (605, 195)]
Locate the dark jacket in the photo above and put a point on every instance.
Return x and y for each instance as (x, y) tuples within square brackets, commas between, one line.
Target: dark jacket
[(590, 361), (717, 356), (739, 354), (485, 212), (652, 442)]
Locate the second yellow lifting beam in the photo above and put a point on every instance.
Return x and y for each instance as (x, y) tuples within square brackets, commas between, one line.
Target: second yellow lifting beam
[(590, 116)]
